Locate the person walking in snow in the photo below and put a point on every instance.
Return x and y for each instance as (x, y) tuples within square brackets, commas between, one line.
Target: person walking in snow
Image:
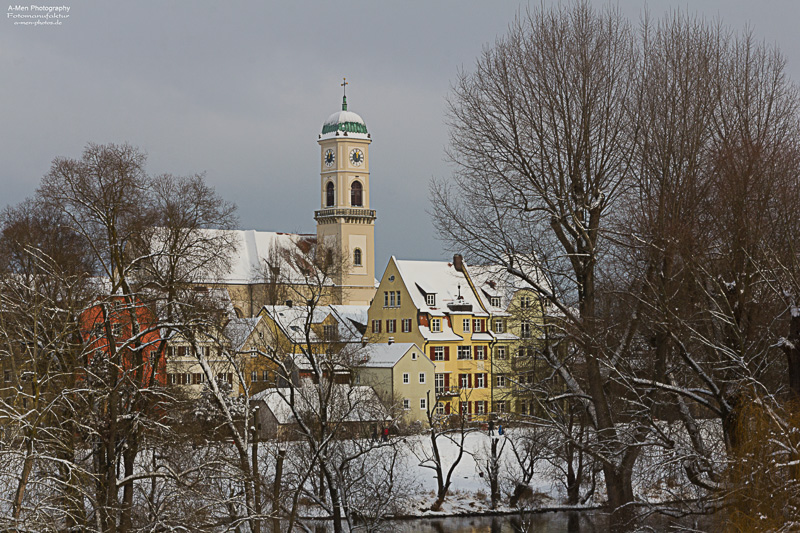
[(500, 430), (386, 434), (491, 428)]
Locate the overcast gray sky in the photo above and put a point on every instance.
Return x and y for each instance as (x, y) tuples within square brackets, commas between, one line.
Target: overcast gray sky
[(239, 90)]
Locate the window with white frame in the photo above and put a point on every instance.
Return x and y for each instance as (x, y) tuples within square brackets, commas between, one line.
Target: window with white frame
[(376, 326), (391, 326), (465, 352), (495, 301), (406, 324), (422, 377), (423, 404), (436, 325), (406, 378), (525, 329), (438, 382), (438, 353), (265, 375), (500, 406), (430, 299), (499, 326), (391, 298), (406, 404), (253, 376), (480, 353), (525, 302), (466, 323), (464, 380), (500, 382), (501, 352), (480, 408), (439, 408), (480, 381), (464, 408)]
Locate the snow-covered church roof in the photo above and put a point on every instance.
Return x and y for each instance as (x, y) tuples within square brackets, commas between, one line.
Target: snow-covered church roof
[(254, 251)]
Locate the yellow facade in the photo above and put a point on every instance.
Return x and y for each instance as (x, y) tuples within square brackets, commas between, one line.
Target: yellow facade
[(446, 331)]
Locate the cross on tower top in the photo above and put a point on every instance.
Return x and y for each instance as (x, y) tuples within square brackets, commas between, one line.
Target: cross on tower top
[(344, 85)]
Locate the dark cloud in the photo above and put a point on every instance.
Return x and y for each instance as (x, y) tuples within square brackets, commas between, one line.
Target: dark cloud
[(239, 90)]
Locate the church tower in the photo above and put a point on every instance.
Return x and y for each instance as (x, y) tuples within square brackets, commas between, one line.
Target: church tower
[(345, 223)]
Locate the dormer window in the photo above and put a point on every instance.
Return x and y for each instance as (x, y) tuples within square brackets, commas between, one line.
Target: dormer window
[(436, 325), (494, 301), (430, 299)]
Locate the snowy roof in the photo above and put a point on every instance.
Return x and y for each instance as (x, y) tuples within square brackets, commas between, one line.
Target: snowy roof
[(442, 279), (253, 250), (344, 123), (386, 355), (238, 330), (292, 321), (354, 317), (347, 403), (495, 281)]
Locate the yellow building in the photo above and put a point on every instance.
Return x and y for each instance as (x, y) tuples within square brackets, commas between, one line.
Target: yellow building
[(435, 305), (402, 376), (518, 314)]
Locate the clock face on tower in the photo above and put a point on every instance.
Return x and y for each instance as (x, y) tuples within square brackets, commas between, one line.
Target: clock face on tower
[(330, 158), (356, 157)]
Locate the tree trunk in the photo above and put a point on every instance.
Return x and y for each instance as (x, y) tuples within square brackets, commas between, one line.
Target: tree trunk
[(792, 349), (276, 491), (27, 467)]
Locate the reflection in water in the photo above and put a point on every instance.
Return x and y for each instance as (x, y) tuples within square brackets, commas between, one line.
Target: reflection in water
[(553, 522), (572, 522)]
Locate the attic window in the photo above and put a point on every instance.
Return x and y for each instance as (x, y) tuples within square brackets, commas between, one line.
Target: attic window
[(430, 299), (494, 301)]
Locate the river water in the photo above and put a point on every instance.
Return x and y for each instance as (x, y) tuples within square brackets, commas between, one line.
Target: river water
[(553, 522)]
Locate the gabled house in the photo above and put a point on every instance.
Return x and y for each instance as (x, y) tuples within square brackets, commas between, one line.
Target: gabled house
[(402, 376), (434, 304)]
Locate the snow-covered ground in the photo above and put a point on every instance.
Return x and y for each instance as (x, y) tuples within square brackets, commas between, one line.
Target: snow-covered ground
[(469, 492)]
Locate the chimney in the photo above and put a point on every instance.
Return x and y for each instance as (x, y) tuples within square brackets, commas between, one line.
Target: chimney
[(391, 340), (458, 262)]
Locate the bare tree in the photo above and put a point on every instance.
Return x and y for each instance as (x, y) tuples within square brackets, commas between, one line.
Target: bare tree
[(446, 427), (542, 137), (109, 347)]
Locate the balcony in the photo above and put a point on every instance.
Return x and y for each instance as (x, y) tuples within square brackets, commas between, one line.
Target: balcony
[(350, 213), (444, 392)]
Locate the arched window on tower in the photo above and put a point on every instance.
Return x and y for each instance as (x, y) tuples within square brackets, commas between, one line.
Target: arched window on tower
[(357, 257), (356, 197), (330, 195)]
